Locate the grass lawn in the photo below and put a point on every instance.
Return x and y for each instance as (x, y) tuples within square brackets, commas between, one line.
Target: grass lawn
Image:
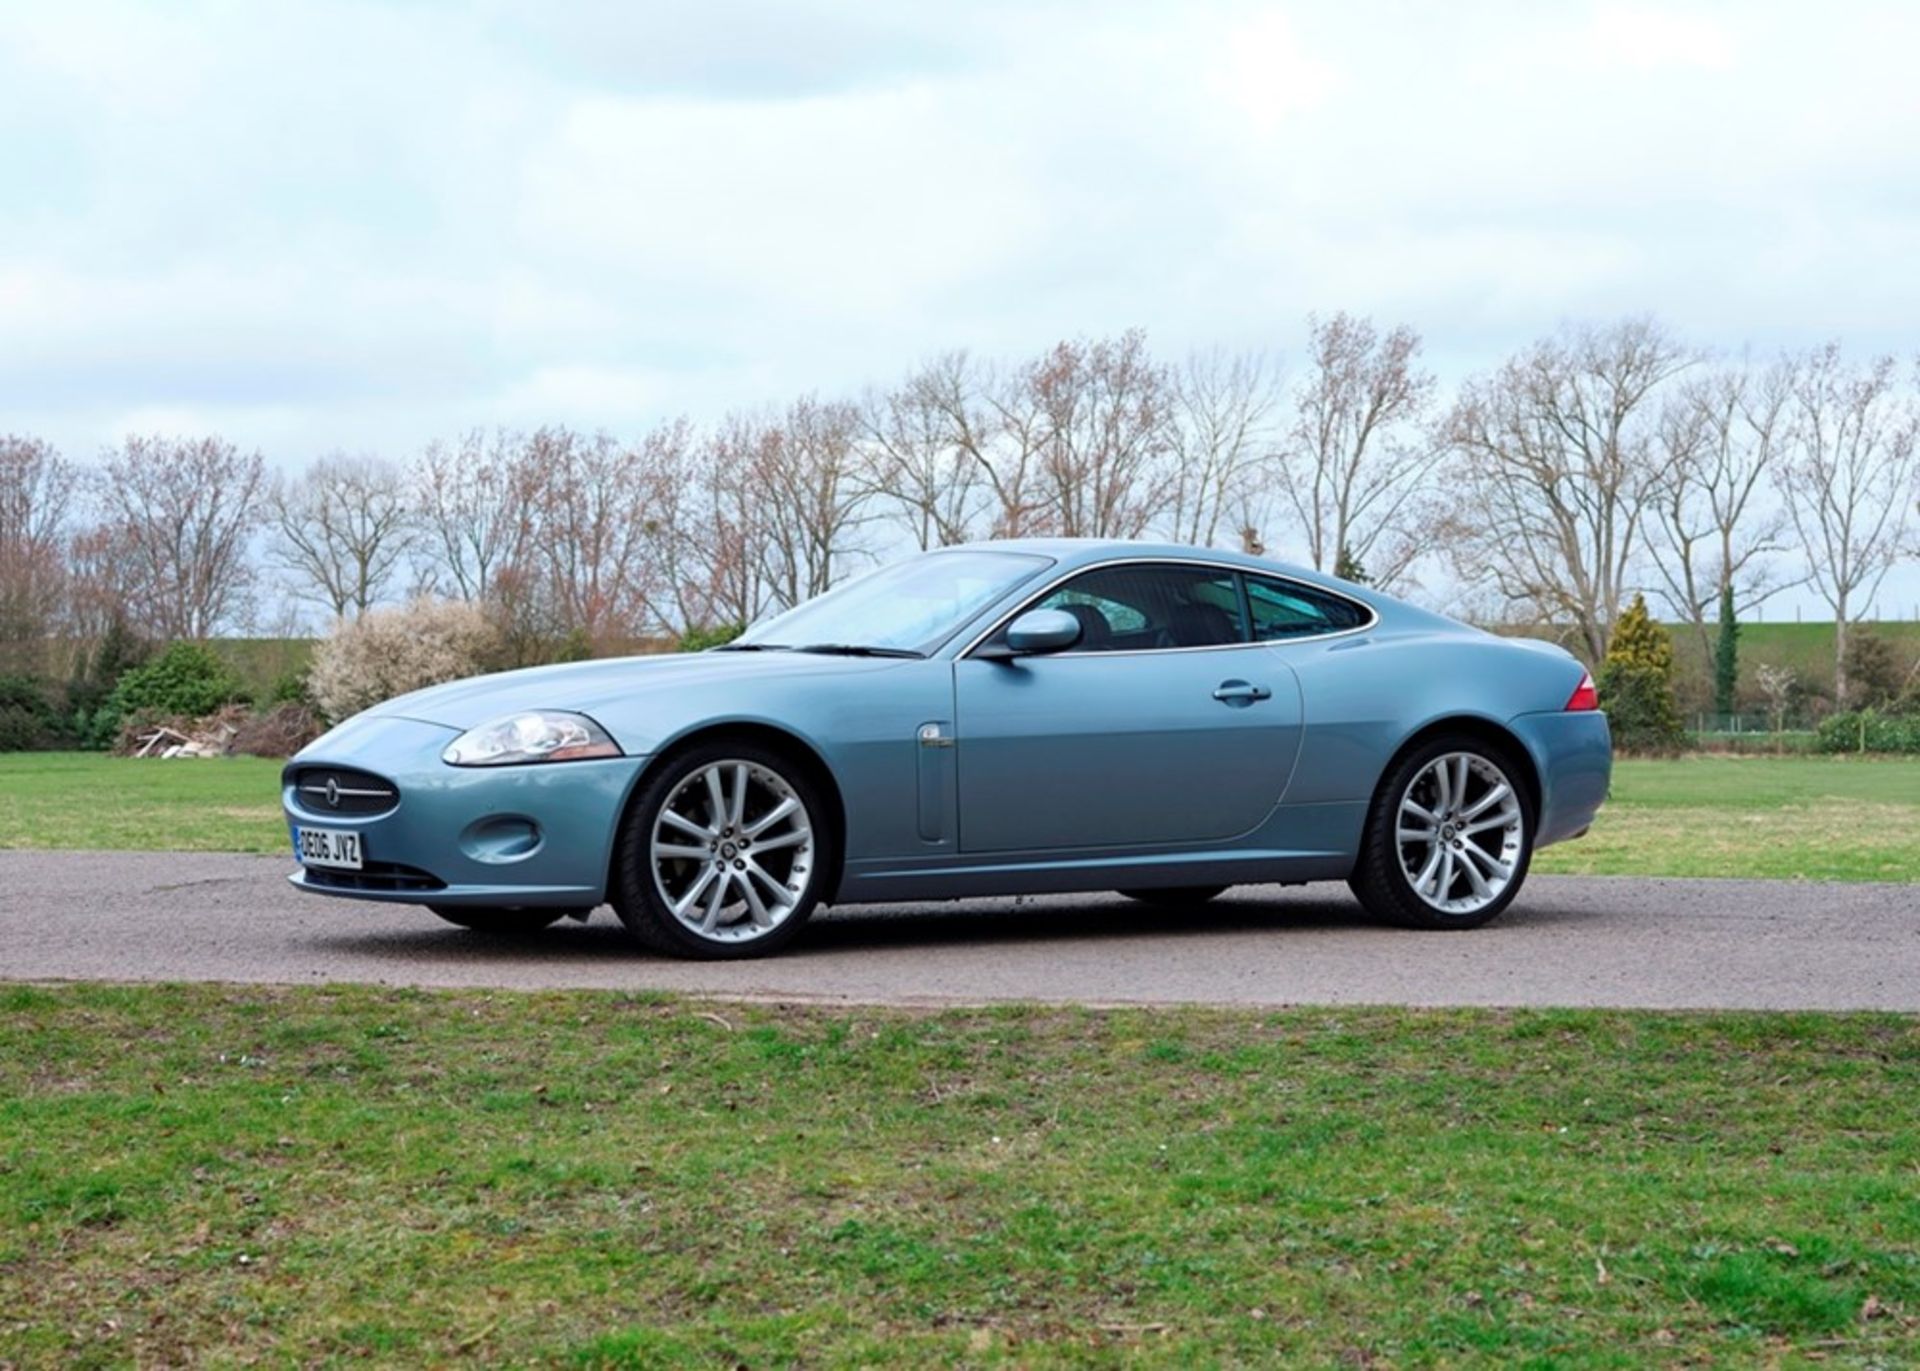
[(90, 800), (1813, 818), (595, 1179), (1821, 818)]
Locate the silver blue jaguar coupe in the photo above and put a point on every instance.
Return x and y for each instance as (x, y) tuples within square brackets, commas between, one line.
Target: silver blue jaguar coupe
[(1032, 716)]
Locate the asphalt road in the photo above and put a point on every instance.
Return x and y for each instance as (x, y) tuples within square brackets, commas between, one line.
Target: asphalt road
[(1567, 941)]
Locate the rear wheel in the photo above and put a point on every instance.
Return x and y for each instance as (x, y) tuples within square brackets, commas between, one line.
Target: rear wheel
[(723, 853), (1175, 897), (493, 919), (1449, 837)]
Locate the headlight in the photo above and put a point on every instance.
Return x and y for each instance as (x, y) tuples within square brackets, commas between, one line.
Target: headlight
[(540, 735)]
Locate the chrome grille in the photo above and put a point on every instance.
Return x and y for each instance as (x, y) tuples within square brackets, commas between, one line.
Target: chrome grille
[(344, 791)]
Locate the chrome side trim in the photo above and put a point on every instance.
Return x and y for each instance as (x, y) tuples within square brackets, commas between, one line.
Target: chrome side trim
[(1373, 615)]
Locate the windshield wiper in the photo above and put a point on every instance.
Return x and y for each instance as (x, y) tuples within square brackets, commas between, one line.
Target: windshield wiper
[(859, 650), (752, 647)]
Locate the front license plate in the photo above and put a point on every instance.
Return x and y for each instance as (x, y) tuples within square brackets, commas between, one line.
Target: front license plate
[(327, 847)]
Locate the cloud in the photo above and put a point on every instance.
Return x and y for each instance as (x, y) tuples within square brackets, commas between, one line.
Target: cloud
[(362, 225), (1638, 36)]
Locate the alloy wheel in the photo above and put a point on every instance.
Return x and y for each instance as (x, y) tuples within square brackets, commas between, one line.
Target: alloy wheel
[(732, 850), (1460, 833)]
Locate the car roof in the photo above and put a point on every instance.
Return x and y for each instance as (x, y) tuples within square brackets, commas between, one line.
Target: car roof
[(1071, 552)]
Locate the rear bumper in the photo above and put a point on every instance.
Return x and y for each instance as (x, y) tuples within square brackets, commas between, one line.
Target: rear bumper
[(1574, 755), (523, 835)]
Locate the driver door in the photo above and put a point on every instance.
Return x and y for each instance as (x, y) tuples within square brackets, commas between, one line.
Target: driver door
[(1164, 724)]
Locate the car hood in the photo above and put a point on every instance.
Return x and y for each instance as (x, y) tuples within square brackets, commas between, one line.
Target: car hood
[(595, 688)]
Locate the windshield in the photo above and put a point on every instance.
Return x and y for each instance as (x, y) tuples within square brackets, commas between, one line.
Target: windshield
[(913, 605)]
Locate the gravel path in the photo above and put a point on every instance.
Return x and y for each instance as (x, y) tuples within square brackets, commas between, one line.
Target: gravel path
[(1568, 941)]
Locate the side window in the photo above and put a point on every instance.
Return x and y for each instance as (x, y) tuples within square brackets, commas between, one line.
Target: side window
[(1288, 609), (1137, 608)]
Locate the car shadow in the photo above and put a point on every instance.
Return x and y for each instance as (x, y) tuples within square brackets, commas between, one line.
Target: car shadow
[(928, 925), (1072, 918)]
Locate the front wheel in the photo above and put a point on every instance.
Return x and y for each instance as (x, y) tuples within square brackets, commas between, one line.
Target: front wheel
[(493, 919), (1448, 838), (723, 854)]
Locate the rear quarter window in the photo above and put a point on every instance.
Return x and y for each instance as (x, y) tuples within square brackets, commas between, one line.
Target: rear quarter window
[(1290, 609)]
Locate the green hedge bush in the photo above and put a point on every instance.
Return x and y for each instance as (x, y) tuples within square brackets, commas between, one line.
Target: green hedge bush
[(28, 719), (702, 637), (188, 680), (1868, 730)]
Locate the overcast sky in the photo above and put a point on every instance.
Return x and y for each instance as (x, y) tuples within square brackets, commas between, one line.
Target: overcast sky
[(319, 225)]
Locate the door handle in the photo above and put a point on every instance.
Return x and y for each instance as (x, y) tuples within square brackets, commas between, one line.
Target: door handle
[(1240, 693)]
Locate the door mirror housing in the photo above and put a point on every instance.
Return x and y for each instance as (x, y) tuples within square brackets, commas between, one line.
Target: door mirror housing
[(1036, 632)]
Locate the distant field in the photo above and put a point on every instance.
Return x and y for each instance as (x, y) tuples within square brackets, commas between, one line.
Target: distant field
[(1806, 648), (1814, 818), (260, 662)]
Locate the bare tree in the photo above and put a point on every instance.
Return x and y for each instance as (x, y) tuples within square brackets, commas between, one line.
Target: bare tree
[(1108, 409), (343, 530), (99, 583), (731, 528), (1222, 435), (470, 502), (185, 511), (807, 469), (1073, 442), (1849, 482), (1721, 432), (37, 488), (1353, 464), (590, 533), (918, 455), (997, 421), (676, 479), (1556, 460)]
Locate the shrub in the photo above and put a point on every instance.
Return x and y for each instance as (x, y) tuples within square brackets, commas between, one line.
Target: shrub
[(1636, 684), (703, 636), (28, 719), (1874, 677), (188, 680), (278, 732), (389, 652), (1868, 730), (288, 688), (98, 672)]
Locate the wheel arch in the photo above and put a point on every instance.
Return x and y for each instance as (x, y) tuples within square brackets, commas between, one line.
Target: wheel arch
[(1474, 726), (789, 744)]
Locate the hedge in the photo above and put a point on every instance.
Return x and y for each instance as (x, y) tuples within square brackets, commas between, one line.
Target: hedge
[(1868, 730)]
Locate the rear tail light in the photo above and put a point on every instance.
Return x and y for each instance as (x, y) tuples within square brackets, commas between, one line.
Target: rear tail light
[(1584, 695)]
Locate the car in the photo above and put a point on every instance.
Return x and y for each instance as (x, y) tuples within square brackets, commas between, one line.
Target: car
[(997, 718)]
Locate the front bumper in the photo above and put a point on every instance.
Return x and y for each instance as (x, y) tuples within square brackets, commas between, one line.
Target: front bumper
[(512, 835), (1573, 753)]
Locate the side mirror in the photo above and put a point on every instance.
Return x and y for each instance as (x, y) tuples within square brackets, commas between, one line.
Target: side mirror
[(1037, 631)]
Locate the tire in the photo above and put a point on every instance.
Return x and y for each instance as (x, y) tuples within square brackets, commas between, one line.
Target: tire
[(494, 919), (1175, 897), (767, 852), (1464, 874)]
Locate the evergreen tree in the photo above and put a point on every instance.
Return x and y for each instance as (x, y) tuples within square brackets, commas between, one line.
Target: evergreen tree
[(1348, 568), (1636, 684), (1726, 656)]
